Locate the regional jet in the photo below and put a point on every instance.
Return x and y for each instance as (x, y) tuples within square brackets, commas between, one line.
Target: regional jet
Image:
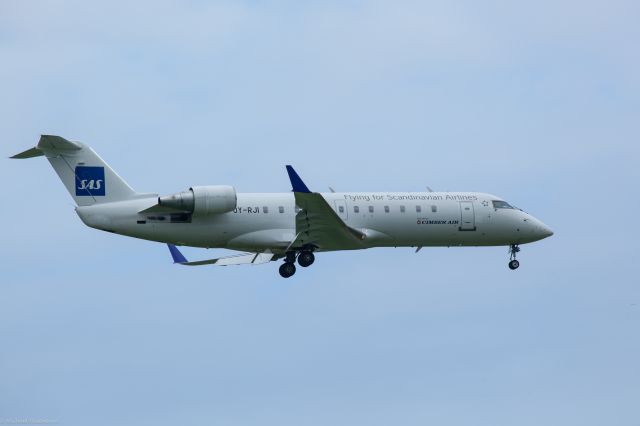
[(290, 226)]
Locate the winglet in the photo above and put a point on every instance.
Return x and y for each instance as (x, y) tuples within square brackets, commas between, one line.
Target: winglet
[(296, 183), (177, 256)]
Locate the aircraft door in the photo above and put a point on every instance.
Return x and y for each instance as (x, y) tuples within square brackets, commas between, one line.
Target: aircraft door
[(341, 209), (467, 216)]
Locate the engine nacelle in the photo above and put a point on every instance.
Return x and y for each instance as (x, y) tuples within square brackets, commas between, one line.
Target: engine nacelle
[(203, 200)]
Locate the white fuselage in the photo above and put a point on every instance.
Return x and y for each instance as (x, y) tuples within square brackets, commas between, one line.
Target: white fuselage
[(289, 226), (267, 221)]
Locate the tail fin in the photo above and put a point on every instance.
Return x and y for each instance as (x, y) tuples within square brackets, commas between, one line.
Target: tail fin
[(87, 177)]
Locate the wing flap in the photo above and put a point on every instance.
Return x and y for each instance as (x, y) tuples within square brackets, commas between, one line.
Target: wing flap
[(317, 224)]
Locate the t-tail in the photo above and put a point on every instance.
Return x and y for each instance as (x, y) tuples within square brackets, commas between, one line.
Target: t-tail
[(86, 176)]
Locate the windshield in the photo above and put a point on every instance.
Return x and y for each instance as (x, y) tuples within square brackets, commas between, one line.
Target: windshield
[(501, 205)]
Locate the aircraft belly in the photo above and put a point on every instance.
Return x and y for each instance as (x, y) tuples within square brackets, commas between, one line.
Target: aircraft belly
[(440, 232), (275, 239)]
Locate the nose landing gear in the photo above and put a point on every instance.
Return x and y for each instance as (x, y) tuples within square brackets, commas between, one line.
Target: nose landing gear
[(513, 250)]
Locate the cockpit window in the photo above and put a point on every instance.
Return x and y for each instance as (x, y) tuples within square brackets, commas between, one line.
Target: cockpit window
[(501, 205)]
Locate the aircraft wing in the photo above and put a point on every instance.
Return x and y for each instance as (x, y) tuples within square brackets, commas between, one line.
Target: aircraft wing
[(317, 224), (238, 259)]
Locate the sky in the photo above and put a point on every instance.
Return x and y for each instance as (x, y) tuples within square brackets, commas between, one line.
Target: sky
[(536, 102)]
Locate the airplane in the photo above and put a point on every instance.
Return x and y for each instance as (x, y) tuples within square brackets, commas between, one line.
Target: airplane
[(291, 226)]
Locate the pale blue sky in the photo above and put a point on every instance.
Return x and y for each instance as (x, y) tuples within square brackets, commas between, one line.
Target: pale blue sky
[(538, 102)]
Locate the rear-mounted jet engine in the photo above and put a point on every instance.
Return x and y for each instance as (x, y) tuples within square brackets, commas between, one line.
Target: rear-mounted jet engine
[(202, 200)]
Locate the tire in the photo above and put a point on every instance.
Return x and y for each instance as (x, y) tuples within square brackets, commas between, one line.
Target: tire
[(306, 258), (514, 264), (287, 270)]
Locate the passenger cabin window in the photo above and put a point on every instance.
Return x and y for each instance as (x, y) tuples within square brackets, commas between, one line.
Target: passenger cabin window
[(434, 209), (356, 209), (402, 209), (386, 209), (418, 209), (341, 209), (501, 205), (265, 209), (370, 209), (281, 209)]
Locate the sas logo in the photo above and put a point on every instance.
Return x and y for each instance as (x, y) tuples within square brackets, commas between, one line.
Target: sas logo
[(90, 181)]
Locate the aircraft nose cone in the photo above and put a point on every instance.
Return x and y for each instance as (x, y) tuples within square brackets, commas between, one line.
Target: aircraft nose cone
[(537, 229), (542, 230), (546, 231)]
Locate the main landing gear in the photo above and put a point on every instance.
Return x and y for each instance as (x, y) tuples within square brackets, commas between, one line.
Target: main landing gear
[(306, 258), (513, 250), (288, 268)]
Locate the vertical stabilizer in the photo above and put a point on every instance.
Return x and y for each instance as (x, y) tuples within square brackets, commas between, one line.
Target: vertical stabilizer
[(86, 176)]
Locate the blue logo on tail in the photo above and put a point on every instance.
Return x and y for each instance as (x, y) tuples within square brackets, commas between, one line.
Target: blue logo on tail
[(90, 181)]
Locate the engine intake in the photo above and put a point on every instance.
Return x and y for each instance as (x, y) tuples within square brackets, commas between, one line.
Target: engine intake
[(202, 200)]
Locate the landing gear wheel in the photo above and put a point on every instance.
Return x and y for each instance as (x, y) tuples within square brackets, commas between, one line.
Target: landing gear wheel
[(514, 264), (287, 270), (306, 258)]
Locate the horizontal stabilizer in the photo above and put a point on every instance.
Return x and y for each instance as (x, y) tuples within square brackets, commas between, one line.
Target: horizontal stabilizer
[(239, 259), (52, 144), (57, 144), (30, 153)]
